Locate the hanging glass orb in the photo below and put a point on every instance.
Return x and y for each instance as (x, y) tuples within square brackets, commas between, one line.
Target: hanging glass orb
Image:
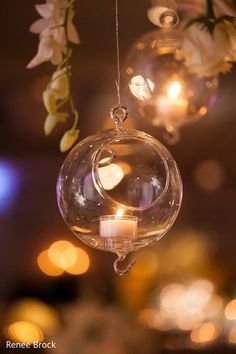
[(119, 191), (159, 87)]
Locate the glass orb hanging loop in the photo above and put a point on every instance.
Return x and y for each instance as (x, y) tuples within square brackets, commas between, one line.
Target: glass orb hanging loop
[(119, 114)]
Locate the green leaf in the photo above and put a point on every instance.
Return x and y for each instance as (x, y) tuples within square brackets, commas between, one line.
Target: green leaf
[(209, 21), (226, 18), (194, 21), (206, 23)]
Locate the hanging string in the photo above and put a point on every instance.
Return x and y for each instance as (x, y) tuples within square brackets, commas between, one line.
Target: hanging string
[(118, 53), (119, 113)]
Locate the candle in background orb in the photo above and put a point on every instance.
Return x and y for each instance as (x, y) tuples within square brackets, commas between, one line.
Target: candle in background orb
[(119, 225), (173, 106)]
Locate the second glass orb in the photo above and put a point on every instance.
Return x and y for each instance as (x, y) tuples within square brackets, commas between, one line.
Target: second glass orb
[(160, 87)]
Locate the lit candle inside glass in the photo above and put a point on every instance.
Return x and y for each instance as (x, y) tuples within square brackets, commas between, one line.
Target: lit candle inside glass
[(173, 105), (119, 225)]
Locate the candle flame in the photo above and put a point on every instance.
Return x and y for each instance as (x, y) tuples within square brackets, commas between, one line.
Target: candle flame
[(120, 212), (174, 89)]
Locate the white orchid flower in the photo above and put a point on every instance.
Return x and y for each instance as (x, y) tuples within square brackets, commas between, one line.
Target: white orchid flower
[(48, 50), (52, 33), (68, 140), (52, 21), (72, 31), (60, 83), (198, 7), (50, 100), (50, 14), (52, 120), (208, 56), (56, 30), (231, 30)]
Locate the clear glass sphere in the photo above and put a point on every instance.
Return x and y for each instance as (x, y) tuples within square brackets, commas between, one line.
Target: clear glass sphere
[(159, 87), (119, 190)]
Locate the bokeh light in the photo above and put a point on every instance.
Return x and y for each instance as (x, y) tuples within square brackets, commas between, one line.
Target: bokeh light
[(24, 332), (198, 295), (154, 319), (35, 312), (232, 335), (230, 310), (171, 299), (63, 254), (209, 175), (206, 332), (81, 265), (187, 321), (182, 306), (47, 266), (214, 306), (146, 317), (9, 183), (163, 324)]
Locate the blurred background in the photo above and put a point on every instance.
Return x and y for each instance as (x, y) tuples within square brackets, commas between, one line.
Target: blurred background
[(181, 297)]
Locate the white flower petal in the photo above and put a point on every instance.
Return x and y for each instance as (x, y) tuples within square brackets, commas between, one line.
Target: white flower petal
[(56, 58), (46, 47), (224, 8), (40, 25), (52, 120), (205, 55), (68, 140), (37, 60), (60, 83), (72, 33), (59, 35), (45, 10), (50, 101), (50, 124), (62, 117)]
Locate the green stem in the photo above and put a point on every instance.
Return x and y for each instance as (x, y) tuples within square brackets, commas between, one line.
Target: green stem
[(56, 26), (210, 9), (62, 103), (68, 67), (55, 78)]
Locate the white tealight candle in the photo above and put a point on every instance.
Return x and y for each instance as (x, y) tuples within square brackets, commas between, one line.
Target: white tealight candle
[(122, 226), (172, 106)]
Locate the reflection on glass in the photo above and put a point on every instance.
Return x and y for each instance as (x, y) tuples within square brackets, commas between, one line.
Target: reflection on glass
[(110, 175), (141, 88)]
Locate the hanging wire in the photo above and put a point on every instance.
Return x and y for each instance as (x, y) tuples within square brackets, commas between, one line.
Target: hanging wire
[(119, 113), (118, 53)]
